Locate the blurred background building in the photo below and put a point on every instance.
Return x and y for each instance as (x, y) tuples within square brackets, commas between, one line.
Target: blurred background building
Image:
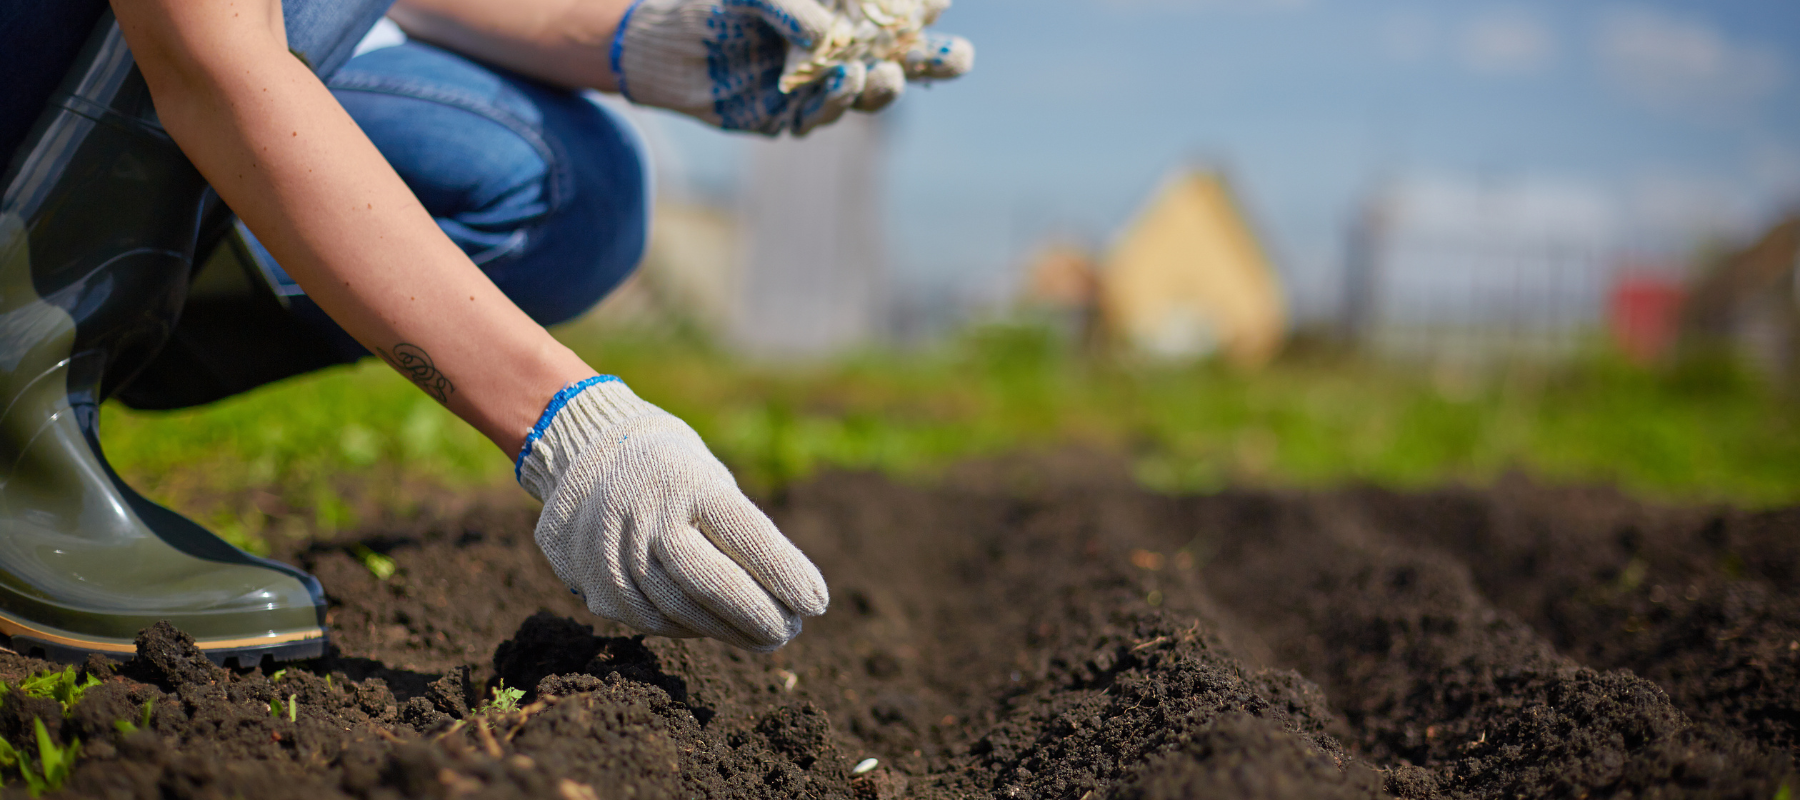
[(1750, 302), (1187, 279)]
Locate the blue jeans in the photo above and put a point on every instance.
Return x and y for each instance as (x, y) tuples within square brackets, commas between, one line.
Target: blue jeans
[(546, 192)]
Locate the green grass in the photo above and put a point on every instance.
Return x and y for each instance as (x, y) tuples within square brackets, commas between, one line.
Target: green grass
[(317, 451), (295, 454)]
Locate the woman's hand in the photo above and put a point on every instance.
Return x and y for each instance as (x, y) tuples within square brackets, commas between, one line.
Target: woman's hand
[(721, 61), (651, 530)]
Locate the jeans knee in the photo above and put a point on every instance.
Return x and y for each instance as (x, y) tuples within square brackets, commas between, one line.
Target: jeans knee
[(466, 140), (597, 236), (548, 192)]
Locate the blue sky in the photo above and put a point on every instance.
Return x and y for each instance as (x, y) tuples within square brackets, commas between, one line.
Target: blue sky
[(1681, 118)]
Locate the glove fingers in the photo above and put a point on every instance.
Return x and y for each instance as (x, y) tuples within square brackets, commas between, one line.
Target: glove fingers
[(720, 601), (628, 604), (711, 579), (939, 57), (884, 85), (672, 598), (802, 22), (824, 102), (587, 551), (740, 531)]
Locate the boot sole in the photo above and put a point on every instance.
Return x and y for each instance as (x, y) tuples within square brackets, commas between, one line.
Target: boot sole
[(56, 645)]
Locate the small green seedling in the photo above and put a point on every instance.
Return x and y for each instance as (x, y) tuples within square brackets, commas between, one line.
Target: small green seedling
[(382, 567), (128, 727), (9, 757), (55, 764), (291, 708), (63, 686), (503, 699), (279, 674)]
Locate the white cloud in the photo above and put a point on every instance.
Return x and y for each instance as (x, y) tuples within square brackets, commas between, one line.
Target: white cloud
[(1682, 65), (1508, 43)]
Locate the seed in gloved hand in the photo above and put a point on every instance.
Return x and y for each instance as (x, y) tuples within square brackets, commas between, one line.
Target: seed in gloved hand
[(874, 32)]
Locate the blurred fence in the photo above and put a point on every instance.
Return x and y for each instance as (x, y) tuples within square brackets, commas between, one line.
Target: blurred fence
[(1483, 301), (1510, 274)]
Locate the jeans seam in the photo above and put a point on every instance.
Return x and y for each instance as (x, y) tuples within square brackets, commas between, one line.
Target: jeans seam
[(513, 245), (555, 165)]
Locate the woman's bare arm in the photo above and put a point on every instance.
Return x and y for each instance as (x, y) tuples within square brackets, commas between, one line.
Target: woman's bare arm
[(279, 149), (564, 42)]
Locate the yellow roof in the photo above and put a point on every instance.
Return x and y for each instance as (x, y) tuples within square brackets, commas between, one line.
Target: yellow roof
[(1189, 278)]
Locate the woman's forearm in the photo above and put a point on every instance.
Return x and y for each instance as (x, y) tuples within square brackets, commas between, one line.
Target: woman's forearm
[(565, 42), (276, 145)]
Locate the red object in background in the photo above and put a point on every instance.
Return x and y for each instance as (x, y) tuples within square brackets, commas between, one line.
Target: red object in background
[(1645, 312)]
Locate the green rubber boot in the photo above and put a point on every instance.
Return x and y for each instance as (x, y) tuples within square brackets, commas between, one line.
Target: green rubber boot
[(99, 222)]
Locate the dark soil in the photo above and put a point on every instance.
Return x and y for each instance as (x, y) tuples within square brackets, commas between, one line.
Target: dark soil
[(1038, 629)]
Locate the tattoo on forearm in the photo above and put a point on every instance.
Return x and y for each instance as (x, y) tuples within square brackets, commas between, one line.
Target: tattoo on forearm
[(412, 361)]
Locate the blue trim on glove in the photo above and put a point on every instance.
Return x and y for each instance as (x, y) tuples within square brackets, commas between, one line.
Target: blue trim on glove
[(617, 54), (557, 401)]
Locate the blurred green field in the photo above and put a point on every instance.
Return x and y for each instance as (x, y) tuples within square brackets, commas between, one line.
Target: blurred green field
[(318, 452)]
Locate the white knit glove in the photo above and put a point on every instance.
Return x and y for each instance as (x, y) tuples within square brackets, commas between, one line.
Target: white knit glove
[(644, 523), (721, 61)]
